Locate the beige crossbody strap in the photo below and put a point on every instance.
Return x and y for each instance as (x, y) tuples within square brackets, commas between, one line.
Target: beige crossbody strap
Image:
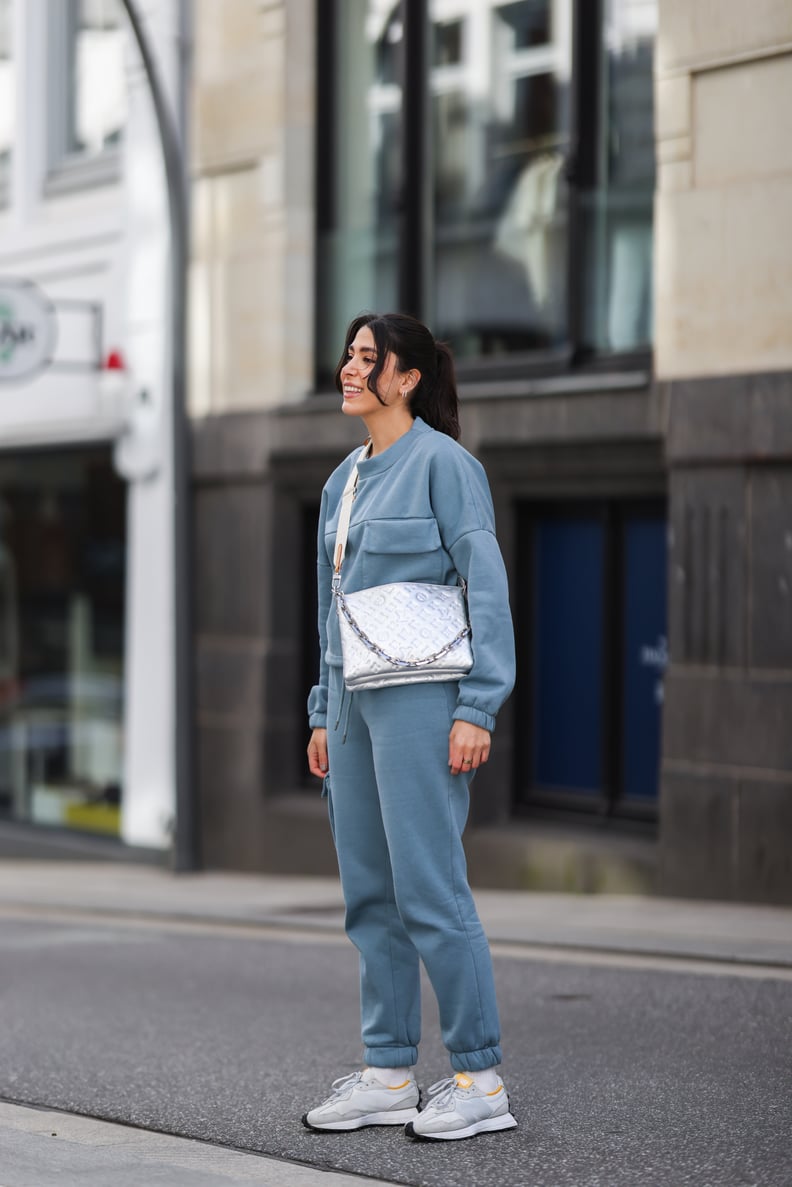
[(347, 499)]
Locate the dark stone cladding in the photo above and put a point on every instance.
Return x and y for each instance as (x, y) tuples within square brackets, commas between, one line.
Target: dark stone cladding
[(257, 476), (726, 801)]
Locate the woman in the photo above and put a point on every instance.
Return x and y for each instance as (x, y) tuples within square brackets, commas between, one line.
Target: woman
[(397, 762)]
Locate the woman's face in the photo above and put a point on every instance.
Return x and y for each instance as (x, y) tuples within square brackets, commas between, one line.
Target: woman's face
[(359, 400)]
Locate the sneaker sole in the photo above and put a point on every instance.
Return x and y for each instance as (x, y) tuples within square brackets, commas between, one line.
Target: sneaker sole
[(488, 1125), (393, 1117)]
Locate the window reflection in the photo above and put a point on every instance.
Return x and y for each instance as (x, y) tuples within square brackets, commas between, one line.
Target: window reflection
[(501, 127), (507, 224), (98, 90), (7, 99), (618, 212)]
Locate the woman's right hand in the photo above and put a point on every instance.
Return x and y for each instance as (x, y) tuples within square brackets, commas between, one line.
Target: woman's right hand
[(317, 753)]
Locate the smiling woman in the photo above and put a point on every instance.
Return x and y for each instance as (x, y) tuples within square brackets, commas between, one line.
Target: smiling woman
[(398, 761)]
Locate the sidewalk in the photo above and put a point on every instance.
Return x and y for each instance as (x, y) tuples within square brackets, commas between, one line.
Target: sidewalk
[(44, 1148), (620, 924)]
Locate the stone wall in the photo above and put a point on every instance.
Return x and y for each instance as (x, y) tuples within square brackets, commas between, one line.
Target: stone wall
[(723, 286), (723, 246), (251, 326)]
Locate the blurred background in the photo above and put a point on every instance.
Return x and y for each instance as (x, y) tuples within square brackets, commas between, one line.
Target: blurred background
[(591, 201)]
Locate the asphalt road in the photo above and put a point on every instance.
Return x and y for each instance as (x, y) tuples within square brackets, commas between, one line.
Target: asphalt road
[(618, 1075)]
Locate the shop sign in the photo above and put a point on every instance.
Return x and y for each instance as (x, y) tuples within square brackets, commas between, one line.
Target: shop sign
[(28, 329)]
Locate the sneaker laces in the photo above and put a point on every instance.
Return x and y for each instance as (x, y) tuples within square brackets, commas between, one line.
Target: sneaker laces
[(442, 1094), (342, 1087)]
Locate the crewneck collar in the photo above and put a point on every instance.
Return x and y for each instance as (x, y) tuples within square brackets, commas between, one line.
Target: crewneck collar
[(383, 461)]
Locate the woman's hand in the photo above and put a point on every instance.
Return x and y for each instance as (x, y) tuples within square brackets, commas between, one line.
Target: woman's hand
[(317, 753), (468, 747)]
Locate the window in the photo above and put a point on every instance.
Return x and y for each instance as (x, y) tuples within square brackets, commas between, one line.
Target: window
[(360, 163), (500, 124), (7, 99), (62, 577), (89, 96), (617, 185), (488, 166), (592, 649)]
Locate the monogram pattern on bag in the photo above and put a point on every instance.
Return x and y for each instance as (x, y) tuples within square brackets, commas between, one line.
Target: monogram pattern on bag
[(403, 633)]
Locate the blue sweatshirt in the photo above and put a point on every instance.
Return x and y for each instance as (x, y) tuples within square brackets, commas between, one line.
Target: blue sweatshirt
[(422, 512)]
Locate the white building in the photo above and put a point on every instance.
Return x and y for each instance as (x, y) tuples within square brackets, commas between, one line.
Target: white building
[(86, 602)]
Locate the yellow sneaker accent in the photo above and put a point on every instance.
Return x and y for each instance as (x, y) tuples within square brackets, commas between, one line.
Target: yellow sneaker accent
[(463, 1081)]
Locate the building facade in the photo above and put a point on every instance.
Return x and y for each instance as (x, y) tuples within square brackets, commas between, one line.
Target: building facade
[(589, 200), (554, 186), (86, 598)]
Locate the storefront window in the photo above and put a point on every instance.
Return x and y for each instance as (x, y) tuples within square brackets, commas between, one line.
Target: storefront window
[(501, 129), (62, 559), (7, 99)]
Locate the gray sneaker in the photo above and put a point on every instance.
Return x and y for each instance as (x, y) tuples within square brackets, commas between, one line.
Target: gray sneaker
[(360, 1099), (458, 1109)]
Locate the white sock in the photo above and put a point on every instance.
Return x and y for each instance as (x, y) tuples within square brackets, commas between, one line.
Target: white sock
[(391, 1077), (486, 1081)]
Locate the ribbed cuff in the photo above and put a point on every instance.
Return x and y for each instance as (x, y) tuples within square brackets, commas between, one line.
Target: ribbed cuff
[(475, 717), (476, 1061)]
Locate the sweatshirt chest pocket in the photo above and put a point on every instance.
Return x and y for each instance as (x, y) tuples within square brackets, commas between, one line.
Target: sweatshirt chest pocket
[(401, 550)]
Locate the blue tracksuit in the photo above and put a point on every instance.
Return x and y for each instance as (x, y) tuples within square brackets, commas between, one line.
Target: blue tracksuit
[(423, 512)]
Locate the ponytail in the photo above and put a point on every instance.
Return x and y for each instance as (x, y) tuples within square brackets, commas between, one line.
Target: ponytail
[(434, 397)]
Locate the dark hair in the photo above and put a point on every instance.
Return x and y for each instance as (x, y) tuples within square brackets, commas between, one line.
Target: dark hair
[(434, 397)]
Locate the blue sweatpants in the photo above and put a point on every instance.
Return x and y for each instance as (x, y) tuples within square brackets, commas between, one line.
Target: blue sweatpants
[(397, 815)]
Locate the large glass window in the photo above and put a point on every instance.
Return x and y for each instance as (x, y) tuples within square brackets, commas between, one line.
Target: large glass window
[(490, 167), (88, 81), (592, 644), (62, 561), (617, 194), (500, 119), (7, 99)]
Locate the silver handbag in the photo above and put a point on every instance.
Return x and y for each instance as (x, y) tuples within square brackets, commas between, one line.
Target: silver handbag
[(407, 632)]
